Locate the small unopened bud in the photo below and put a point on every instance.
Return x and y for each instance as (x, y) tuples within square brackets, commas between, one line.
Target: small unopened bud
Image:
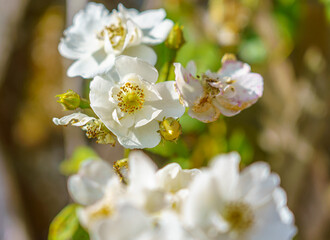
[(175, 38), (228, 57), (170, 129), (69, 100)]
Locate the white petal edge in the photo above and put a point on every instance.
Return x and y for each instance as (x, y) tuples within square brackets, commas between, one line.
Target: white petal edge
[(126, 65)]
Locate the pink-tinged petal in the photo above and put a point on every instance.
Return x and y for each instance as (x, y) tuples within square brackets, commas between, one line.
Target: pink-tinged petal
[(247, 89), (210, 115), (189, 88), (191, 67), (232, 68)]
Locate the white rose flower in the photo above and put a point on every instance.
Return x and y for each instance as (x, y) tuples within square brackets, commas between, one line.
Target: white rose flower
[(228, 92), (226, 204), (128, 223), (89, 184), (97, 37), (134, 224), (130, 103), (175, 181)]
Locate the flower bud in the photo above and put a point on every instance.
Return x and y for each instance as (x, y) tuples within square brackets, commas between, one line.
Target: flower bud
[(175, 38), (170, 129), (69, 100), (228, 57)]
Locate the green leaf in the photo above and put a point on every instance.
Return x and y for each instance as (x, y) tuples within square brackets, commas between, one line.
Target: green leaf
[(191, 125), (239, 142), (71, 166), (169, 149), (65, 226), (252, 50), (183, 162)]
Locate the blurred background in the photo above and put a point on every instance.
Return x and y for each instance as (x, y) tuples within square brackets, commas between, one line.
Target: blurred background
[(286, 41)]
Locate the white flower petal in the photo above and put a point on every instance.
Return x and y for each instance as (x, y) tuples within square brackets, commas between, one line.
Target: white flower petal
[(142, 171), (80, 38), (75, 119), (141, 137), (159, 33), (145, 115), (102, 106), (225, 168), (75, 46), (126, 65), (129, 223), (169, 104), (143, 52), (99, 93), (96, 64), (200, 203), (173, 178), (149, 18), (262, 190), (127, 12), (251, 175), (269, 224), (134, 35), (84, 191), (88, 185)]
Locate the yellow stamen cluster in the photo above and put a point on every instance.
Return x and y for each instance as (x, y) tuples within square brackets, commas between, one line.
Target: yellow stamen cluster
[(239, 215), (130, 98), (104, 211), (121, 169), (116, 34), (96, 129)]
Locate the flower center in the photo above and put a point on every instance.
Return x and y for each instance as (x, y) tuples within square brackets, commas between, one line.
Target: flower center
[(104, 211), (130, 98), (239, 215), (116, 34)]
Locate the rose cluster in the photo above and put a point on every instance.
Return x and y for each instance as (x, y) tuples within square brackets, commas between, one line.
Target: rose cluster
[(129, 103), (125, 95), (137, 201)]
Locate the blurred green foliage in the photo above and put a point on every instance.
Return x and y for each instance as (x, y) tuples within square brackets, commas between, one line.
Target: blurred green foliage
[(65, 226), (71, 166)]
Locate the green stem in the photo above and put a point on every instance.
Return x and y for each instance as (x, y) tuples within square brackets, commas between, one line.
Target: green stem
[(170, 63), (84, 103), (126, 152)]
